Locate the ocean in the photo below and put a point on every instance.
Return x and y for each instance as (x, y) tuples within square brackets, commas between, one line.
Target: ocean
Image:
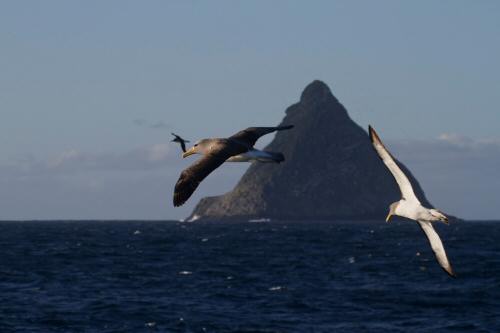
[(143, 276)]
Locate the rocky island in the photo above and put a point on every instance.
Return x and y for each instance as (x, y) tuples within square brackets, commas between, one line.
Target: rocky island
[(331, 171)]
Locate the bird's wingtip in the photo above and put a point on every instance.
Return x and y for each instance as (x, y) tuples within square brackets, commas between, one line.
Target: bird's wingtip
[(177, 201), (372, 133), (450, 272)]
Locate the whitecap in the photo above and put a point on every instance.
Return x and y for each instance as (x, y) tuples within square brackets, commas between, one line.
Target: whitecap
[(276, 288), (263, 219), (194, 218)]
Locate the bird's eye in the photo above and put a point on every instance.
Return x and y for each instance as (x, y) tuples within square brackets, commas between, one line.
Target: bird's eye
[(195, 144)]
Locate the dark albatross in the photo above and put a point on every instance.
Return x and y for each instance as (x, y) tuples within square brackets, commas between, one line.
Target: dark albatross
[(410, 207), (181, 141), (216, 151)]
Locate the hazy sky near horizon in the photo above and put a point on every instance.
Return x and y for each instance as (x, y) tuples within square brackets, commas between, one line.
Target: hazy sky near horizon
[(90, 91)]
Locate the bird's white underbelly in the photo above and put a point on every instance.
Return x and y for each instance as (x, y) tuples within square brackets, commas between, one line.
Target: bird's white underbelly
[(250, 155), (413, 210)]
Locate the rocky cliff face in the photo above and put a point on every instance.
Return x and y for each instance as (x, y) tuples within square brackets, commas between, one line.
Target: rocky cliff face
[(331, 171)]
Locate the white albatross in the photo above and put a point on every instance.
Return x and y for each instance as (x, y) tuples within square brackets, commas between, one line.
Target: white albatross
[(216, 151), (410, 207)]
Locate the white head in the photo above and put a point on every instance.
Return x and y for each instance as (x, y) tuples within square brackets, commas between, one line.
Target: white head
[(200, 147), (392, 210)]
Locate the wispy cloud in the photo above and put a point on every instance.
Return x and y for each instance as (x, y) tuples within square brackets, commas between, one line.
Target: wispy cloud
[(139, 122), (450, 148), (76, 161), (456, 139), (160, 124)]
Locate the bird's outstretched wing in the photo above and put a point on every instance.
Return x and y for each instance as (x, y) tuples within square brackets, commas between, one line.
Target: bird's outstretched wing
[(437, 246), (250, 135), (183, 145), (403, 182), (181, 141), (191, 177)]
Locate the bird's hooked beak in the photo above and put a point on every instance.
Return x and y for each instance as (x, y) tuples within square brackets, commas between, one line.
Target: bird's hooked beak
[(391, 212), (388, 217), (191, 151)]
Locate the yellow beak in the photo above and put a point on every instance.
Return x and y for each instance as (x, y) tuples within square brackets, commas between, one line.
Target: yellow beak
[(388, 217), (189, 152)]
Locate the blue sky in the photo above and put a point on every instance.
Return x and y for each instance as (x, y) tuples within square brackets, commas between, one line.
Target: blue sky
[(90, 90)]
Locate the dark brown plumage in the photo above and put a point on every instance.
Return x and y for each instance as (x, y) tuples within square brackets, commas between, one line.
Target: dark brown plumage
[(191, 177), (250, 135), (219, 150)]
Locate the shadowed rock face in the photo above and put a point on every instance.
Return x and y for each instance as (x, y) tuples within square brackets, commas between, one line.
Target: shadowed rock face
[(331, 171)]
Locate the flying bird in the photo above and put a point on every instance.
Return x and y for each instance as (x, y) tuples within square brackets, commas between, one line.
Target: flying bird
[(181, 141), (410, 207), (216, 151)]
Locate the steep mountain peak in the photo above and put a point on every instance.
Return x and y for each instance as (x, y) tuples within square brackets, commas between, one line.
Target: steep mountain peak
[(317, 92), (330, 172)]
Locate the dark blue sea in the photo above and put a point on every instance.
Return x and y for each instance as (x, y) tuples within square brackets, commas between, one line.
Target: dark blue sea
[(101, 276)]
